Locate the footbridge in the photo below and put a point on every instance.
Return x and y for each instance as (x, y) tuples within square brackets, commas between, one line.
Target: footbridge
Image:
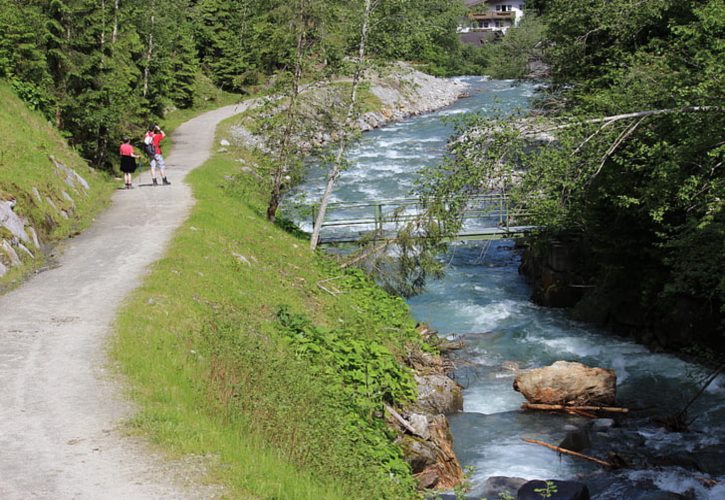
[(486, 217)]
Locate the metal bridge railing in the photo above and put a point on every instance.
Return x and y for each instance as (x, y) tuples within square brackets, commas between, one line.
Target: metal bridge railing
[(493, 211)]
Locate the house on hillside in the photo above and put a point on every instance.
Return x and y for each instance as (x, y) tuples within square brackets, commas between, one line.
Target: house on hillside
[(491, 16)]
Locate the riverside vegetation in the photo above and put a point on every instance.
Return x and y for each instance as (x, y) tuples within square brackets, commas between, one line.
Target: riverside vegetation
[(254, 364), (631, 181)]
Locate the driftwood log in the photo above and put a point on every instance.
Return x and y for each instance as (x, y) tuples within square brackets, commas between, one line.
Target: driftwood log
[(608, 465), (576, 409)]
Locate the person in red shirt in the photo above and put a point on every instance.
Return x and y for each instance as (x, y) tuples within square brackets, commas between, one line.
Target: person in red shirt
[(128, 161), (158, 161)]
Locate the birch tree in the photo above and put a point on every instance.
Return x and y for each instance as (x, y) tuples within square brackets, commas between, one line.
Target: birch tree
[(348, 125)]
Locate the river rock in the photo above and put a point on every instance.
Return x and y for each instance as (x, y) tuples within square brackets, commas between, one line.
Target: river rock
[(498, 486), (432, 460), (602, 424), (559, 490), (663, 495), (576, 440), (420, 424), (568, 383), (418, 453), (439, 394)]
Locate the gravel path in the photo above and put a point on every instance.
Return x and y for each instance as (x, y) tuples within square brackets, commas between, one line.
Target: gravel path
[(60, 411)]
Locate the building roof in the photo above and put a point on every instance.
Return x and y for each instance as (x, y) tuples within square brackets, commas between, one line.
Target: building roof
[(472, 3), (479, 38)]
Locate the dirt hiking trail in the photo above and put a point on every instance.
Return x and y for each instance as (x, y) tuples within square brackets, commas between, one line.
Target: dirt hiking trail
[(61, 413)]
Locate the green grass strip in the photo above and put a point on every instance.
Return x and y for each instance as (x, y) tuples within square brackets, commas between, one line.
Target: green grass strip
[(285, 409)]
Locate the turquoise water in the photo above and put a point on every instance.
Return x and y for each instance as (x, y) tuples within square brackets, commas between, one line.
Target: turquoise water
[(483, 299)]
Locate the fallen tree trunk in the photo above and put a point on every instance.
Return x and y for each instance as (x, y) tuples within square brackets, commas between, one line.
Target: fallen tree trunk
[(549, 407), (572, 453)]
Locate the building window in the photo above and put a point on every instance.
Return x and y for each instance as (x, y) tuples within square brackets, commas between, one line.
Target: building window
[(485, 24), (504, 8), (498, 23)]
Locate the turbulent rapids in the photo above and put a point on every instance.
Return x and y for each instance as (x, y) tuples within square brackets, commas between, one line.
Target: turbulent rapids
[(483, 300)]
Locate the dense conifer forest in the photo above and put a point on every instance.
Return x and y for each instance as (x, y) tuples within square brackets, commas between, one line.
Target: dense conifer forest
[(102, 69)]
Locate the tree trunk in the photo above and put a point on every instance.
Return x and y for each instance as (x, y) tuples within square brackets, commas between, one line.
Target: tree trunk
[(149, 56), (285, 148), (337, 166), (114, 33)]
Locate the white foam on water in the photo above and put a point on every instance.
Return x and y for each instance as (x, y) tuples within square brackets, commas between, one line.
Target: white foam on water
[(451, 112), (394, 142), (487, 317), (493, 398), (373, 168), (572, 345), (619, 365), (717, 386), (718, 491), (389, 128), (370, 192), (504, 459), (395, 154), (674, 480)]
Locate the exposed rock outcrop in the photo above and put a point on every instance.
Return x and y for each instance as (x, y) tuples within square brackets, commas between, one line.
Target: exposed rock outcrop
[(569, 384), (563, 274), (19, 240), (439, 394), (556, 272), (425, 438), (401, 90), (13, 237), (71, 177)]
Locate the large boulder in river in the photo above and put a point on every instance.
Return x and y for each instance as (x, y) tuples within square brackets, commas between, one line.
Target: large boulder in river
[(567, 383)]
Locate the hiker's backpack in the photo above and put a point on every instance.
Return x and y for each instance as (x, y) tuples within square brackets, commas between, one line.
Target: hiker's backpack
[(148, 145)]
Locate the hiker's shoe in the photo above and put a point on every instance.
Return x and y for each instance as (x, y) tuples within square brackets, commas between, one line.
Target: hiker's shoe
[(166, 182), (155, 183)]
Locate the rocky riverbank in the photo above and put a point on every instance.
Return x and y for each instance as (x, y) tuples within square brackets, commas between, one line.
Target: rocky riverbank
[(403, 92), (424, 433), (391, 94)]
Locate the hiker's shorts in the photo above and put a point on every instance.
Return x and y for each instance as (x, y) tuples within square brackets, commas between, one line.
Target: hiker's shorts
[(159, 160)]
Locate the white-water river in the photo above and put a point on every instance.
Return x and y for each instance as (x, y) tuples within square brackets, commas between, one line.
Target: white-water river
[(483, 297)]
